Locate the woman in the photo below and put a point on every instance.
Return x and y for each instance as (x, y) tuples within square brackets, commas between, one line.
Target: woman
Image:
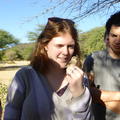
[(47, 89)]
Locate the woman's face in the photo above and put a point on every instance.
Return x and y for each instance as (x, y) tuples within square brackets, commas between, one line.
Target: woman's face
[(60, 49)]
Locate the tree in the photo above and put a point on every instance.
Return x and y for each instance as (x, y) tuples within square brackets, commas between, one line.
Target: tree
[(79, 9), (19, 52), (9, 56), (92, 40), (6, 39), (83, 8), (32, 36)]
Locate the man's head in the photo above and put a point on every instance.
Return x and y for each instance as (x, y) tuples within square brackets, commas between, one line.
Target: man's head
[(113, 20), (112, 35)]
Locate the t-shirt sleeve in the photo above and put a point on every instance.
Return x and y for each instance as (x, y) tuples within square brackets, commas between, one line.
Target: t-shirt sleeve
[(88, 64), (81, 106)]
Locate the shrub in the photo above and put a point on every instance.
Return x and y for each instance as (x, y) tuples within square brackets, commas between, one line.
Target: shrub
[(3, 94)]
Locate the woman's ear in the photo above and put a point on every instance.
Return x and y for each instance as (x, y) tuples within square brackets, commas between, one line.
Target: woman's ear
[(46, 48)]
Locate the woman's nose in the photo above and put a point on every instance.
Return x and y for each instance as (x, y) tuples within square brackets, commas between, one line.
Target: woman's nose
[(65, 50)]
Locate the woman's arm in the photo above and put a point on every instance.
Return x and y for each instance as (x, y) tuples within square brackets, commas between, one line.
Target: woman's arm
[(15, 97)]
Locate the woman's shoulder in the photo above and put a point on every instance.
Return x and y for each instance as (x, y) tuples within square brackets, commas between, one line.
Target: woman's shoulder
[(24, 70), (28, 72)]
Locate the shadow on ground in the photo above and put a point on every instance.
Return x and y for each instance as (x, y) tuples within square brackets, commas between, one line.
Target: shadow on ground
[(11, 67)]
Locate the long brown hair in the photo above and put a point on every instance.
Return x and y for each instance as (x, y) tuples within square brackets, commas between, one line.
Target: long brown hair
[(54, 27)]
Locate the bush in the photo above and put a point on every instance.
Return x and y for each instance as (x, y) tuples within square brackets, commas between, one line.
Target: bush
[(19, 52), (3, 94)]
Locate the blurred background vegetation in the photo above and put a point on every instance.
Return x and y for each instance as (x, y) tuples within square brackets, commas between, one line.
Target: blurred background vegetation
[(12, 50)]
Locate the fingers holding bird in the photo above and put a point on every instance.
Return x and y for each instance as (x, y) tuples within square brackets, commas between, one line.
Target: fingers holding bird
[(75, 80)]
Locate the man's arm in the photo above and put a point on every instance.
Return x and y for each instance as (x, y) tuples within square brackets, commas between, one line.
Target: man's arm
[(113, 106), (104, 95), (109, 99)]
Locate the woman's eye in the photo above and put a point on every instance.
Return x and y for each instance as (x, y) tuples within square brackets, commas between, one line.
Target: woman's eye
[(59, 46), (71, 46)]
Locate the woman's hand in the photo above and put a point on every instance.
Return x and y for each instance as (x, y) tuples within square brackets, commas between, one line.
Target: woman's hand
[(75, 80)]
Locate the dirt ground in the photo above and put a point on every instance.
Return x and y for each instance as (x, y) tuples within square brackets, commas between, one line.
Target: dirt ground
[(8, 70)]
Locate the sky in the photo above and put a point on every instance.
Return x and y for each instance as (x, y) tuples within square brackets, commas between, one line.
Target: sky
[(18, 17)]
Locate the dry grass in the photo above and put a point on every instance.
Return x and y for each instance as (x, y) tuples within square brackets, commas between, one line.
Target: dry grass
[(8, 70), (13, 63), (6, 76)]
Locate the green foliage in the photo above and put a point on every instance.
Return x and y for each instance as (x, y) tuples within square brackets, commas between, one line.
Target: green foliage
[(3, 94), (1, 54), (19, 52), (92, 40), (10, 55), (89, 41), (26, 51), (6, 39), (32, 36)]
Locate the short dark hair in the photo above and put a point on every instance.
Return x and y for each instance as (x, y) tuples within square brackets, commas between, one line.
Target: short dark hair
[(113, 20)]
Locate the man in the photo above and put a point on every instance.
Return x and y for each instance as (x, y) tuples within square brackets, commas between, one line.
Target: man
[(103, 70)]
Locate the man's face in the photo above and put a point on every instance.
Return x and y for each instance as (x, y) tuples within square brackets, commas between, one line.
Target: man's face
[(114, 40)]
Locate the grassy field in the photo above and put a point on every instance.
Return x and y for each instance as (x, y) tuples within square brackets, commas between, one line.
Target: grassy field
[(7, 72)]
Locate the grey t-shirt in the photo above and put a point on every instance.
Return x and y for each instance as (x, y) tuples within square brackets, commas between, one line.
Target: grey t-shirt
[(107, 76)]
